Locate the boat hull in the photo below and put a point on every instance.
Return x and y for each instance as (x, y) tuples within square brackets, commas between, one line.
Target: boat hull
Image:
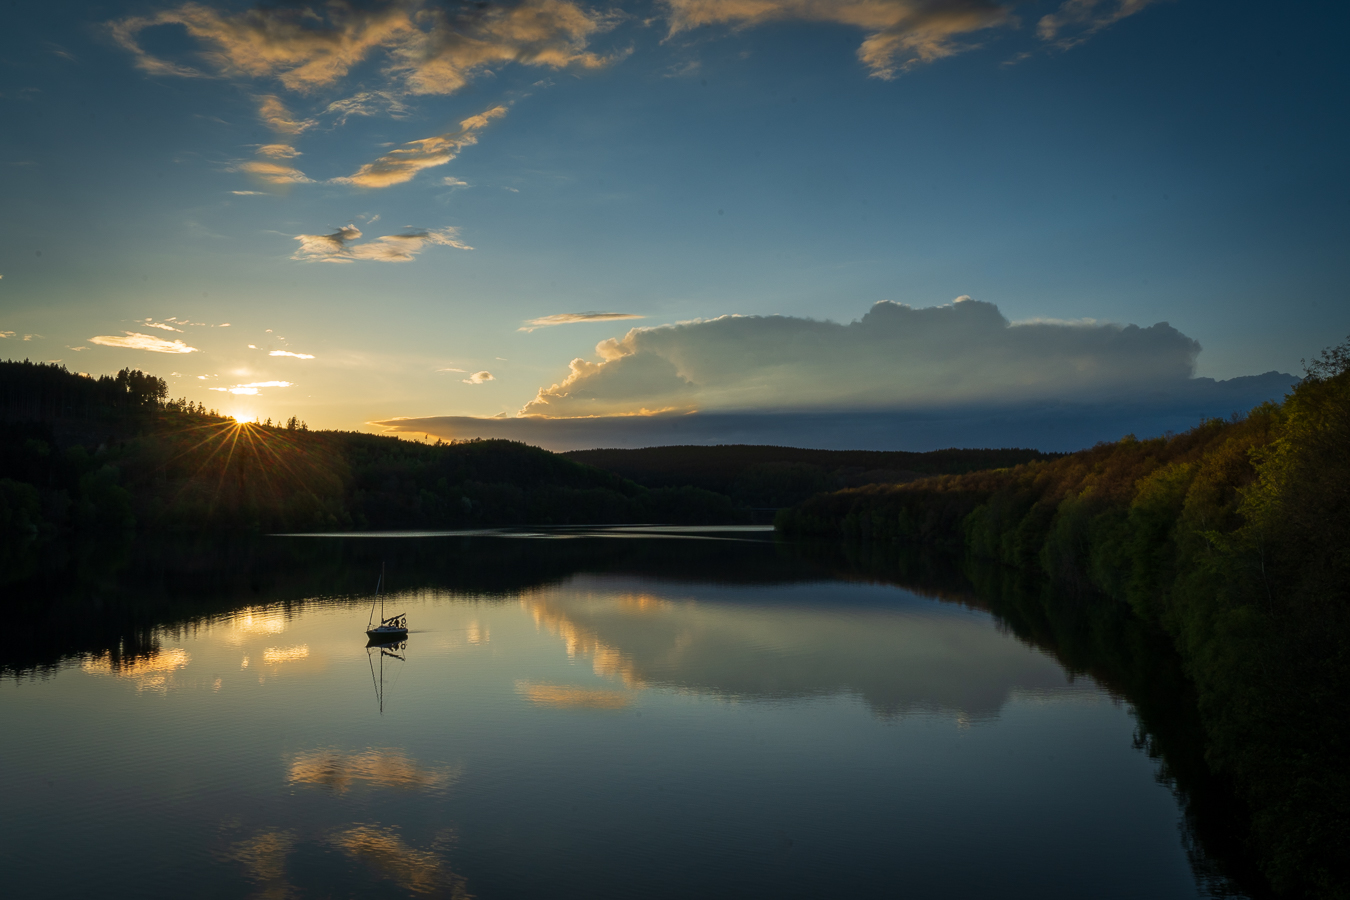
[(387, 634)]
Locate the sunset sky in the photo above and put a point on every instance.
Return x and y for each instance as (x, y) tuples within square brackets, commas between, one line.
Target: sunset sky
[(374, 211)]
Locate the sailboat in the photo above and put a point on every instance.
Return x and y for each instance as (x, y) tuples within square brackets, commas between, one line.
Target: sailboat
[(394, 628)]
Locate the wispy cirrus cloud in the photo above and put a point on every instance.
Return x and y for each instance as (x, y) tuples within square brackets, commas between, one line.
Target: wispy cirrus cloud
[(574, 318), (338, 246), (273, 172), (162, 326), (426, 47), (1077, 20), (136, 341), (900, 34), (280, 119), (290, 354), (398, 166)]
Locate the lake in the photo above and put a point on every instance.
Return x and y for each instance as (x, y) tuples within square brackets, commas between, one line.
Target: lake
[(591, 713)]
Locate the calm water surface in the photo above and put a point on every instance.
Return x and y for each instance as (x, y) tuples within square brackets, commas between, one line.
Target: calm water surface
[(637, 728)]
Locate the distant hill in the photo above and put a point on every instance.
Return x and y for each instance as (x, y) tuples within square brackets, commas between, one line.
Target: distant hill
[(114, 456), (764, 476)]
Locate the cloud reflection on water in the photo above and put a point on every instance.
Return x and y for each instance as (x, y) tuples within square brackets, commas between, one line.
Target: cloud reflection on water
[(383, 767), (900, 659)]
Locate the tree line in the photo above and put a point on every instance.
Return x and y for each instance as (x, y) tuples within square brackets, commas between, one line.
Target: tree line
[(1233, 538)]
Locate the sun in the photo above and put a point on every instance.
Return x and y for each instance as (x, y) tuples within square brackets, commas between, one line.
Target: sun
[(245, 418)]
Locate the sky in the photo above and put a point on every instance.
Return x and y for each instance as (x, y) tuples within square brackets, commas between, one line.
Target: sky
[(610, 224)]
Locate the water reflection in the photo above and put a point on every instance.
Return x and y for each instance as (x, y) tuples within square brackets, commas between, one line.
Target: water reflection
[(338, 771), (540, 659), (569, 697), (395, 651), (153, 671), (814, 640), (417, 871)]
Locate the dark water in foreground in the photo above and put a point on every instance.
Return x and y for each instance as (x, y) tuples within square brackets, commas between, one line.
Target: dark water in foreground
[(628, 715)]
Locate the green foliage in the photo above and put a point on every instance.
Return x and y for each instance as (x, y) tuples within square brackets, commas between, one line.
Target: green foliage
[(1235, 539)]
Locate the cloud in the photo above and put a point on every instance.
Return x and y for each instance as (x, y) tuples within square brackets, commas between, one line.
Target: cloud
[(426, 47), (573, 318), (135, 341), (398, 166), (1050, 425), (251, 388), (278, 151), (438, 370), (273, 173), (1077, 20), (161, 326), (895, 356), (367, 103), (452, 181), (337, 247), (479, 378), (280, 119), (289, 353), (6, 334), (900, 34), (250, 193)]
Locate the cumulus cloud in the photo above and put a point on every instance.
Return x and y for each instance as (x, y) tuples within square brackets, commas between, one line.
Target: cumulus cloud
[(900, 34), (398, 166), (573, 318), (338, 247), (251, 388), (289, 353), (135, 341), (895, 356), (6, 334), (425, 47), (479, 378)]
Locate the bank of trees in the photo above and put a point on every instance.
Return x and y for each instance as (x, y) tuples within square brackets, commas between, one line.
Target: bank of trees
[(1235, 539)]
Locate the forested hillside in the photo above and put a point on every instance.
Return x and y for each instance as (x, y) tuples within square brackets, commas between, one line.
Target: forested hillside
[(114, 456), (1235, 539), (772, 477)]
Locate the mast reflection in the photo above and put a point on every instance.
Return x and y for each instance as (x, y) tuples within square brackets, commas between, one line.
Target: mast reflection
[(382, 649)]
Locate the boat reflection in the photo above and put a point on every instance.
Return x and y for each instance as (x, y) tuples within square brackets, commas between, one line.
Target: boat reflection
[(376, 648)]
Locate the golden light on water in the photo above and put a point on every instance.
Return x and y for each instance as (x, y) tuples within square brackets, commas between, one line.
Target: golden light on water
[(276, 655), (150, 673), (387, 768), (569, 697)]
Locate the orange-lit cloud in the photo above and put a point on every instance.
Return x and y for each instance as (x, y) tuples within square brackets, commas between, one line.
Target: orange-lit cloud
[(274, 172), (337, 247), (280, 119), (289, 353), (900, 34), (426, 48), (136, 341), (573, 318), (162, 326), (479, 378), (398, 166)]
